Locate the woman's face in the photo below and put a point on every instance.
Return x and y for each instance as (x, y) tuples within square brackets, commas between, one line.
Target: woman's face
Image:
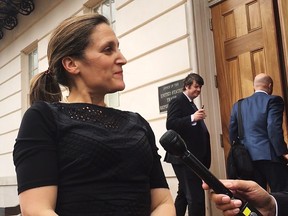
[(101, 69)]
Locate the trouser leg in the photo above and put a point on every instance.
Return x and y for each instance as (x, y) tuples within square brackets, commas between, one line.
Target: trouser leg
[(191, 187)]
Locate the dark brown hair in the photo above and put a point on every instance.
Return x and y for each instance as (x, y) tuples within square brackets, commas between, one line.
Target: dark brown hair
[(70, 38), (188, 81)]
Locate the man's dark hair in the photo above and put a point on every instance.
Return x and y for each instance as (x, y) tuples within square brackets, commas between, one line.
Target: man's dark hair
[(188, 81)]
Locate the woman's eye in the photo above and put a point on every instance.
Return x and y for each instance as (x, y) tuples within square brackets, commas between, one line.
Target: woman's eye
[(108, 49)]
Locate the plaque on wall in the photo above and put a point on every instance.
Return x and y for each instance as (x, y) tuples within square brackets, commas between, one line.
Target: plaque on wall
[(167, 92)]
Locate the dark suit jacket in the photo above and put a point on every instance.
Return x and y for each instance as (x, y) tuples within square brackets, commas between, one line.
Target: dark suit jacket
[(282, 202), (196, 137), (262, 117)]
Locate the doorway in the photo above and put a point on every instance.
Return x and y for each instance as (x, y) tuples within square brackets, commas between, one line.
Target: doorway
[(246, 44)]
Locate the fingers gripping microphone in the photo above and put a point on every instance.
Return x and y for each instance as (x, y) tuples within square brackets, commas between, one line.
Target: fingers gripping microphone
[(173, 143)]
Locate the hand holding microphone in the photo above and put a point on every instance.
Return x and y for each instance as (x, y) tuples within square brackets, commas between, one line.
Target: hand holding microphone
[(175, 145), (247, 190)]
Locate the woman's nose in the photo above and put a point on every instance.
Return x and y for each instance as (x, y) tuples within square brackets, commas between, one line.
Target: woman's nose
[(121, 59)]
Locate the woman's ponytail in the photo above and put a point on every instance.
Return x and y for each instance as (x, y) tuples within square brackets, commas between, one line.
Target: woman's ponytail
[(44, 87)]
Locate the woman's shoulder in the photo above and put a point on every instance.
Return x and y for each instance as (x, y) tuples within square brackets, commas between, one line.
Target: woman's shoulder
[(39, 105), (36, 118), (39, 109), (137, 116)]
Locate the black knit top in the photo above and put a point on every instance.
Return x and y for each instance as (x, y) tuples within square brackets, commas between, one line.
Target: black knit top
[(103, 160)]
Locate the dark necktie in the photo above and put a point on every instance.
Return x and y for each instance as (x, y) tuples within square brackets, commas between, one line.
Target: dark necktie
[(193, 105)]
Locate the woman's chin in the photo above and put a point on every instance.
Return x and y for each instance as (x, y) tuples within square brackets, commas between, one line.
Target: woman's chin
[(119, 88)]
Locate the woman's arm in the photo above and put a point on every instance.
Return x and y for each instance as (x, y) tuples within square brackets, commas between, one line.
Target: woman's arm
[(162, 202), (40, 201)]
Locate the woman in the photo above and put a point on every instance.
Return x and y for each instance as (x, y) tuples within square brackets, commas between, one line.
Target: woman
[(80, 157)]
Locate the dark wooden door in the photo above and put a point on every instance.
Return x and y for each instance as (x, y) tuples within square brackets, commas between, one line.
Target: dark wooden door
[(245, 45)]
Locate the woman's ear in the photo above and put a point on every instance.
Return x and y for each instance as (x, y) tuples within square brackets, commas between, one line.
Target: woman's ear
[(70, 65)]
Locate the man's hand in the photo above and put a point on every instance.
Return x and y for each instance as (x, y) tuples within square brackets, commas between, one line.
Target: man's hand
[(199, 115)]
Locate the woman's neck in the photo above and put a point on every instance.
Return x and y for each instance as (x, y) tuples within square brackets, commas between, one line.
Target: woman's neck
[(78, 99)]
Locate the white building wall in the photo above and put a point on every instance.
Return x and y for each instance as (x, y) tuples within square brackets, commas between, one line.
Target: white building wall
[(161, 43)]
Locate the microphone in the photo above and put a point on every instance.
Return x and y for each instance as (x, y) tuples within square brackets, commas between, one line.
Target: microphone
[(173, 143)]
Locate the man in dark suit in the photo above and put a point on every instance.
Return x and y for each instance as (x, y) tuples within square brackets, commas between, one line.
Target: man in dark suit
[(262, 117), (274, 204), (188, 121)]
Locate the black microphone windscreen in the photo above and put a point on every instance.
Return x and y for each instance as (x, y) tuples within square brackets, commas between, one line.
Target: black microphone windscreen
[(173, 143)]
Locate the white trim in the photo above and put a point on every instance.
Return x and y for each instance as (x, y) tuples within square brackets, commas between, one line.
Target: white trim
[(8, 181)]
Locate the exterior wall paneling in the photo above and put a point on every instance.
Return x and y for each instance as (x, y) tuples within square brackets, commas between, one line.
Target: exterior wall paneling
[(158, 65), (6, 167), (162, 31), (9, 123), (142, 12), (122, 3), (7, 144), (9, 67), (10, 87)]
